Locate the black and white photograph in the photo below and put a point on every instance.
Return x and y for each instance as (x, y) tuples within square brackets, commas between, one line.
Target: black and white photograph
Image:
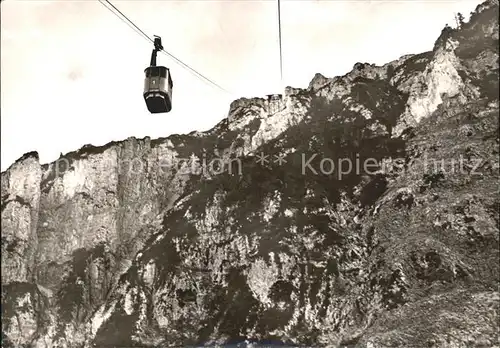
[(250, 173)]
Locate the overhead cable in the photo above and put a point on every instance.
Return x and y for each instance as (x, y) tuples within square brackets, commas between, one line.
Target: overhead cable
[(129, 22)]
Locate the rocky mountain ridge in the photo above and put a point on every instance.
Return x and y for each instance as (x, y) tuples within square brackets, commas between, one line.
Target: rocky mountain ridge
[(190, 239)]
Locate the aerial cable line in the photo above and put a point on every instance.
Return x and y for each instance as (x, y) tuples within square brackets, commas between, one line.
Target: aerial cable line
[(279, 38), (131, 26), (163, 50), (137, 29)]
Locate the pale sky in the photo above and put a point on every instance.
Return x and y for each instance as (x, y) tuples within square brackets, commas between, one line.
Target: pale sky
[(72, 73)]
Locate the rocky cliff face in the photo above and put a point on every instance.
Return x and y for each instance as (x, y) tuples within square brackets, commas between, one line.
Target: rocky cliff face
[(197, 239)]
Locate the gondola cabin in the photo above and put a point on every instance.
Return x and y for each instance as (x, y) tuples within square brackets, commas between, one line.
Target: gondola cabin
[(157, 84), (158, 89)]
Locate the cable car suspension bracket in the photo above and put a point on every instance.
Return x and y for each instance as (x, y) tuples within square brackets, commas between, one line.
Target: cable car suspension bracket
[(158, 47)]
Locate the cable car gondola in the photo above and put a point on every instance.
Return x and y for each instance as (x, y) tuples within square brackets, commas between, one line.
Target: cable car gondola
[(157, 84)]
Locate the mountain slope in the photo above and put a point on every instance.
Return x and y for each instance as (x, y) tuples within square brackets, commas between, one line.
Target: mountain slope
[(191, 240)]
